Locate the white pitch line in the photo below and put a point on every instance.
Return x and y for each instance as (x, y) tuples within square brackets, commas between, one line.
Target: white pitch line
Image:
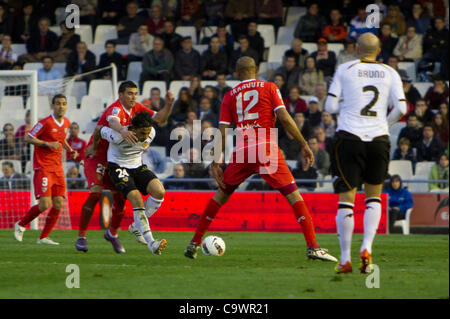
[(65, 264)]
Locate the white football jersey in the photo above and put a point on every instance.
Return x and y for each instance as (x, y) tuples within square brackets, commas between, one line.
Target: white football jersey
[(122, 153), (362, 91)]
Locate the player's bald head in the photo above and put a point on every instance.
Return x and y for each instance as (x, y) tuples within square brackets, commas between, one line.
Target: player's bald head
[(246, 67), (368, 44)]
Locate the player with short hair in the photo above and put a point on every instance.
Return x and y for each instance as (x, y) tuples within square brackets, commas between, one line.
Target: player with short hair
[(361, 153), (49, 138), (116, 116), (254, 105)]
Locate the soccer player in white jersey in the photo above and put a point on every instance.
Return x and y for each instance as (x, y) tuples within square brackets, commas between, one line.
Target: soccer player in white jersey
[(362, 91), (131, 177)]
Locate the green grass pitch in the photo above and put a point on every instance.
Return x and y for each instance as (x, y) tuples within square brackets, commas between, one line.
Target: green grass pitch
[(255, 265)]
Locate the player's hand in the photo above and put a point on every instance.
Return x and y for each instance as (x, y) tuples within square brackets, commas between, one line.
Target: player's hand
[(307, 158), (218, 173), (129, 136), (169, 98), (74, 154), (54, 145), (90, 151)]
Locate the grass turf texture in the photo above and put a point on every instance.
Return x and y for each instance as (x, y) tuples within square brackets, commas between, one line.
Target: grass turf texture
[(255, 265)]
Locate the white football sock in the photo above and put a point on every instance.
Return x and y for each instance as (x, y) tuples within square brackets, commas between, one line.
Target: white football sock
[(152, 205), (345, 224), (372, 217), (141, 223)]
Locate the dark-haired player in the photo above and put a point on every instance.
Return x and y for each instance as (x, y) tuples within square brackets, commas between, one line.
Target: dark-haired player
[(116, 116), (48, 137)]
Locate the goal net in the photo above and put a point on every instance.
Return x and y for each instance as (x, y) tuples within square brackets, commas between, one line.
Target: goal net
[(21, 95)]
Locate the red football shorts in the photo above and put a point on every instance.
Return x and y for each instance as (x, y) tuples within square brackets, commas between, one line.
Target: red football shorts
[(95, 172), (49, 184), (274, 171)]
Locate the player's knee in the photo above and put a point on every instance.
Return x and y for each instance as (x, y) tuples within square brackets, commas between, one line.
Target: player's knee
[(58, 203), (158, 193), (44, 203), (135, 198), (95, 189)]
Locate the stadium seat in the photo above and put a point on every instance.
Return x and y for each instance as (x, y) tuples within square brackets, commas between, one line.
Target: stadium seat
[(32, 66), (105, 32), (78, 89), (291, 163), (207, 32), (423, 169), (61, 67), (11, 104), (44, 106), (101, 88), (393, 135), (187, 31), (19, 48), (262, 70), (200, 48), (97, 49), (402, 168), (267, 32), (16, 164), (134, 71), (92, 105), (205, 83), (404, 223), (285, 35), (306, 97), (175, 87), (148, 85), (410, 68), (71, 102), (232, 83), (85, 33), (335, 47), (276, 53), (56, 29), (122, 49), (309, 46), (28, 167), (325, 187), (79, 116), (293, 15), (422, 87)]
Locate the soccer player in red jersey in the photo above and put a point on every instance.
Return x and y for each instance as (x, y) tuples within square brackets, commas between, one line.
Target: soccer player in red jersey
[(49, 137), (116, 116), (253, 105)]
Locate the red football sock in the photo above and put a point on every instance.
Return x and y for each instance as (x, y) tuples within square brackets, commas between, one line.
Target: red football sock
[(86, 212), (208, 215), (118, 212), (50, 222), (304, 218), (31, 214)]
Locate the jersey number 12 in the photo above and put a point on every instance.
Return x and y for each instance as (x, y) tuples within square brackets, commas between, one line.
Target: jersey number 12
[(253, 96)]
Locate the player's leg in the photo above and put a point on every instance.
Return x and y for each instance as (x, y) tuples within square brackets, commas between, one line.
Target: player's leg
[(50, 221)]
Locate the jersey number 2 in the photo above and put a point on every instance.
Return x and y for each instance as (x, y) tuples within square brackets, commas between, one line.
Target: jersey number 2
[(252, 95), (366, 110)]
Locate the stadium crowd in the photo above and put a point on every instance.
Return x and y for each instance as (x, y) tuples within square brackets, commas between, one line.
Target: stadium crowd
[(415, 31)]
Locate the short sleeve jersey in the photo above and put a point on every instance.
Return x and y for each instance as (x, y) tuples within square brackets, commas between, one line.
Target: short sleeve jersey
[(49, 130), (118, 111), (251, 105)]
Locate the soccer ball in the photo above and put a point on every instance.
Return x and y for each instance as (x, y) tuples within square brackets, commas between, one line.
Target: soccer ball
[(213, 246)]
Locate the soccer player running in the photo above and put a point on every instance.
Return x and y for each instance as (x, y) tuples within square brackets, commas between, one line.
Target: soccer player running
[(132, 178), (49, 138), (254, 105), (361, 153), (116, 116)]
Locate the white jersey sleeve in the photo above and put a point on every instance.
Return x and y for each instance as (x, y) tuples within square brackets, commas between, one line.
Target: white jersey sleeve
[(334, 92), (110, 135), (398, 100)]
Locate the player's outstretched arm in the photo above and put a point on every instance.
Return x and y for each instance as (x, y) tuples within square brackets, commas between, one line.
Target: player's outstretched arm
[(69, 148), (163, 114), (37, 142), (91, 150), (290, 126)]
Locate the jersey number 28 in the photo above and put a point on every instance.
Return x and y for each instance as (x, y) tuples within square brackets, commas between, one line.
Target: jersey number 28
[(253, 97), (366, 110)]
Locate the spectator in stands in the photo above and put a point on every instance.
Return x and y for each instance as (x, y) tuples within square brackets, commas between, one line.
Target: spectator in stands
[(88, 12), (303, 124), (154, 161), (211, 93), (178, 174), (437, 94), (255, 39), (313, 114), (409, 46), (213, 61), (24, 24), (325, 143), (309, 27), (311, 77), (419, 19), (214, 11), (81, 61), (110, 11), (435, 47), (321, 94), (191, 116), (41, 42), (184, 104), (156, 102), (396, 21), (298, 53), (290, 146), (222, 88), (67, 43), (226, 40), (348, 54), (423, 112), (187, 61), (12, 180), (328, 124), (434, 8), (243, 50), (400, 200), (310, 173), (205, 112), (440, 125), (239, 13), (111, 56), (443, 109), (74, 178), (195, 88), (321, 157), (140, 43), (335, 31), (289, 71), (381, 7), (157, 64), (195, 168), (393, 62), (191, 13), (172, 40), (279, 81), (76, 143), (6, 21), (405, 151), (411, 92), (429, 147), (129, 23), (253, 185), (388, 43), (10, 146), (270, 12), (169, 7), (439, 171), (48, 73), (358, 24), (348, 10), (294, 103), (155, 22), (7, 55), (23, 130), (412, 131)]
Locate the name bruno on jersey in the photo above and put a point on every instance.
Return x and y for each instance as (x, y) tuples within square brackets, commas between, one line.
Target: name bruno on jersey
[(370, 74)]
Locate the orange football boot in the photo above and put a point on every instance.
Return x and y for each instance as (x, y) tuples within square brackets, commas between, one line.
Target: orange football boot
[(366, 262), (343, 269)]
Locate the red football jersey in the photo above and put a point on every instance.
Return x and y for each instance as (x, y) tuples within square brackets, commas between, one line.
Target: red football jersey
[(49, 130), (118, 111), (251, 105)]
